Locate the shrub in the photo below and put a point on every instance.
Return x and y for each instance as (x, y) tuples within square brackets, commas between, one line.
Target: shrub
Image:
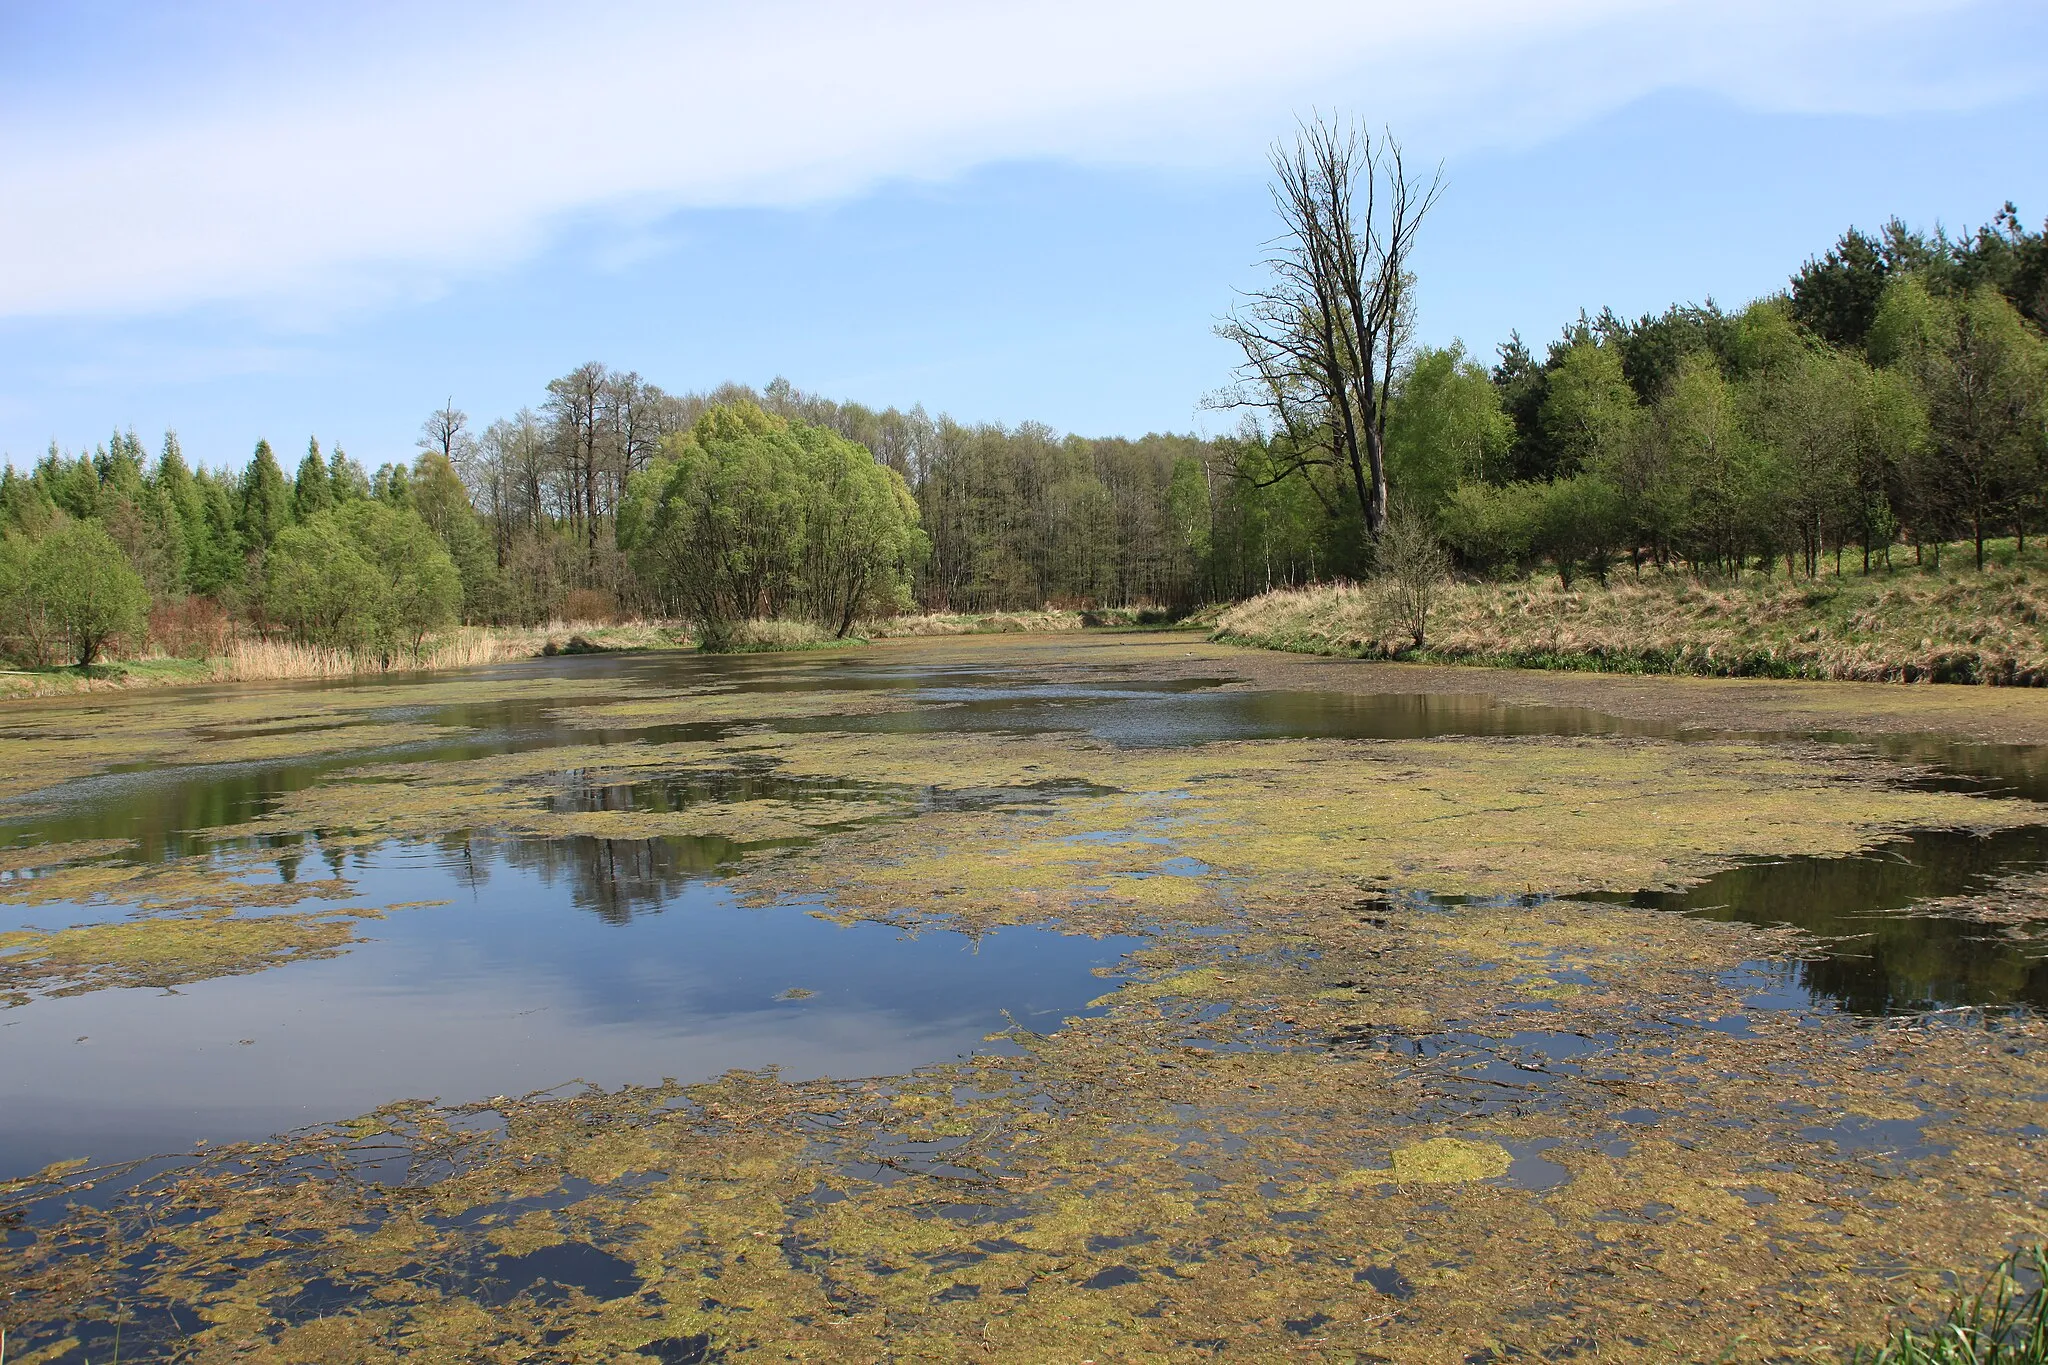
[(364, 578), (85, 589), (592, 605), (191, 628)]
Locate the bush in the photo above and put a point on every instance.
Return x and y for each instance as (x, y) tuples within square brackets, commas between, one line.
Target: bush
[(1412, 568), (191, 628), (592, 605), (84, 589), (364, 578)]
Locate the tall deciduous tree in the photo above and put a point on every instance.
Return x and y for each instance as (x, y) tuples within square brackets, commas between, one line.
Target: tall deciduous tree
[(1983, 374), (1322, 339), (1447, 425)]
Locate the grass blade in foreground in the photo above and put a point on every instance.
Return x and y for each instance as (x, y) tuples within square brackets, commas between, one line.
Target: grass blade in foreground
[(2004, 1323)]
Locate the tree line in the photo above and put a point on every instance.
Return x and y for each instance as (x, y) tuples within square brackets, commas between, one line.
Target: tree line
[(1892, 398)]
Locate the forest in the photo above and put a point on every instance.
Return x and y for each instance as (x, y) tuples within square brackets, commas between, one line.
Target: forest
[(1890, 401)]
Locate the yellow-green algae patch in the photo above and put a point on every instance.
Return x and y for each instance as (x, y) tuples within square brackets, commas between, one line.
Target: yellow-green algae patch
[(1450, 1161), (1285, 1118), (179, 884), (1272, 819), (26, 858), (164, 950), (696, 706), (1142, 1185)]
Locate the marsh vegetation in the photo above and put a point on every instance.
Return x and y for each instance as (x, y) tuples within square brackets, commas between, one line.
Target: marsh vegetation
[(1125, 995)]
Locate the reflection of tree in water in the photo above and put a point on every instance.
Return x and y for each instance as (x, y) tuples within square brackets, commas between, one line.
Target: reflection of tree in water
[(618, 878), (1883, 959)]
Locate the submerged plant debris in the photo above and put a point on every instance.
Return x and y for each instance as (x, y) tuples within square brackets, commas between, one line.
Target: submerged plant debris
[(1383, 1083)]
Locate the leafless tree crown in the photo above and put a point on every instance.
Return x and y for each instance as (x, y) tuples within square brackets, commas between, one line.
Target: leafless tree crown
[(1322, 337)]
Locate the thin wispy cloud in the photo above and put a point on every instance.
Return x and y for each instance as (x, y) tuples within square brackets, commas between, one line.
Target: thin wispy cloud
[(354, 160)]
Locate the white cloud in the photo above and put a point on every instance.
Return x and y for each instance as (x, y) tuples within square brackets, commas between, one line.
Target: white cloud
[(347, 165)]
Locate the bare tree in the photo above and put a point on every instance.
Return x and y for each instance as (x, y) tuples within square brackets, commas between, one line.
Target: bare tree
[(577, 408), (1412, 569), (447, 430), (1321, 340)]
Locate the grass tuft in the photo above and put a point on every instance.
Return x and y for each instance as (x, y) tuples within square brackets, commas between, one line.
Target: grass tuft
[(2004, 1323)]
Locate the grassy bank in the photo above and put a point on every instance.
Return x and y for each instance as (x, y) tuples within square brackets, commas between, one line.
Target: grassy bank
[(265, 660), (1901, 626)]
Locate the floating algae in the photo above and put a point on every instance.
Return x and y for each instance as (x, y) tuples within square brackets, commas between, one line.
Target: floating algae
[(1450, 1161), (1329, 1117), (164, 950)]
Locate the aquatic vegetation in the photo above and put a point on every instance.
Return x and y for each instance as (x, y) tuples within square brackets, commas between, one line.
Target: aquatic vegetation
[(1450, 1161), (185, 884), (1375, 1085), (164, 951), (699, 706)]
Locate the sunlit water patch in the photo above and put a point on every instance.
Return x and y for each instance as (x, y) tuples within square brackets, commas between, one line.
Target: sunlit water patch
[(581, 961)]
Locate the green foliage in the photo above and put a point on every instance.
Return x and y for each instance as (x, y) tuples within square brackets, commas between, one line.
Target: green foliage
[(363, 577), (1493, 526), (1589, 410), (1981, 372), (266, 501), (391, 485), (345, 478), (83, 588), (312, 489), (1836, 297), (438, 494), (749, 516), (1577, 524), (214, 554), (1447, 425), (1717, 475), (861, 538)]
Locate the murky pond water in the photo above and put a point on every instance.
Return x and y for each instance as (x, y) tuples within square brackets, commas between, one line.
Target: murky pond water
[(657, 871)]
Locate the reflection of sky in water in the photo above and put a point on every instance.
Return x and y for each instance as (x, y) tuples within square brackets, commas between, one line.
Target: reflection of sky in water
[(505, 991), (619, 961)]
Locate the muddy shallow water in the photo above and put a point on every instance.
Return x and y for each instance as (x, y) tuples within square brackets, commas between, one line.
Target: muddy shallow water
[(1089, 992)]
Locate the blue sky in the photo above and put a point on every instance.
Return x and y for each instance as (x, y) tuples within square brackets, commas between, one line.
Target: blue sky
[(251, 220)]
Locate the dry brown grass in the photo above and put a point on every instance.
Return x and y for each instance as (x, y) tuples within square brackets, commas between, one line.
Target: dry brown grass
[(972, 623), (263, 660), (1890, 627)]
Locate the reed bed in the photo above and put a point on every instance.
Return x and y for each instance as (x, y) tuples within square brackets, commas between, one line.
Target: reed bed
[(263, 660), (269, 659), (1904, 626)]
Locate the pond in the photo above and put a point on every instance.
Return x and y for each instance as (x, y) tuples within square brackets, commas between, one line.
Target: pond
[(1054, 976)]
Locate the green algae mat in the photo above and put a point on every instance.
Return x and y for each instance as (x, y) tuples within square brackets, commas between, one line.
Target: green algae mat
[(1085, 999)]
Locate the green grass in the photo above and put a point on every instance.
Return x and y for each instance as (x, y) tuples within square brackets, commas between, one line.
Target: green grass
[(66, 678), (2003, 1323)]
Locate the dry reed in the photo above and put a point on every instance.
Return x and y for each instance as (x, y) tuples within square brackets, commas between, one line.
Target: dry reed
[(1888, 627)]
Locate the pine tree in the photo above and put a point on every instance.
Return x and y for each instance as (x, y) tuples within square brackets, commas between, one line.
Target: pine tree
[(214, 550), (266, 500), (346, 478), (313, 490)]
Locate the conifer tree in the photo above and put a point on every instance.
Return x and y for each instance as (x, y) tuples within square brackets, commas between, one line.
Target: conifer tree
[(266, 500), (313, 490), (346, 478)]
